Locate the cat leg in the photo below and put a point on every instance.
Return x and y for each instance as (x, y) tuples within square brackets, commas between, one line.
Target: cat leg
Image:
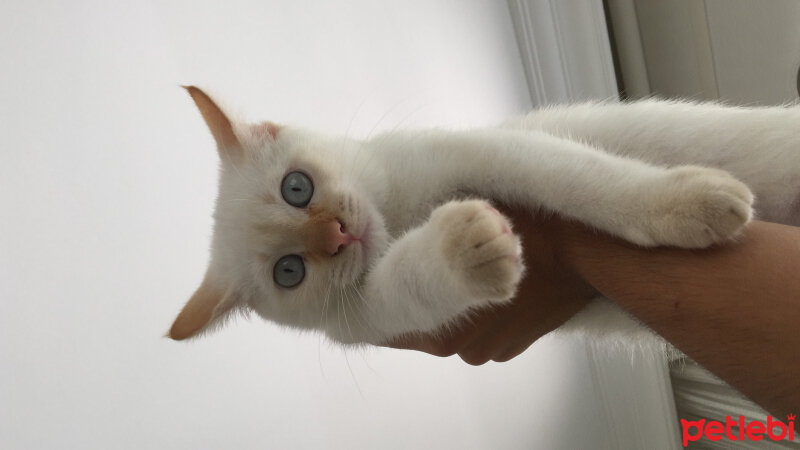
[(464, 256), (689, 207)]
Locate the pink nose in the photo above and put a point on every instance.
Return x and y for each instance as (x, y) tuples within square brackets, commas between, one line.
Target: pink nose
[(337, 238)]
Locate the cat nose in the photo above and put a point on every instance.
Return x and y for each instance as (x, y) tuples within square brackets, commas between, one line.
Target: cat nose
[(337, 237)]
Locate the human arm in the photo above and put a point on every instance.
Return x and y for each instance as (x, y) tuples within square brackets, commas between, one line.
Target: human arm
[(735, 309)]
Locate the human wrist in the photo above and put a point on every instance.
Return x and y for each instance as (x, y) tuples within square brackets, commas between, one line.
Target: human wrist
[(576, 246)]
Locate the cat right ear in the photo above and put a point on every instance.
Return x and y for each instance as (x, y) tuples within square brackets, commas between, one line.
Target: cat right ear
[(228, 144), (209, 304)]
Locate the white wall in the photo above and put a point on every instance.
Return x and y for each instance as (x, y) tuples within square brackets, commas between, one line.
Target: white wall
[(108, 178), (740, 51)]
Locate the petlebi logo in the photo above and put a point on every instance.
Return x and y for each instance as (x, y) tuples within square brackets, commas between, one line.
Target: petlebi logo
[(755, 430)]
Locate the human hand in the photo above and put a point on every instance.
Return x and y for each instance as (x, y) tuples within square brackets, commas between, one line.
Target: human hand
[(550, 293)]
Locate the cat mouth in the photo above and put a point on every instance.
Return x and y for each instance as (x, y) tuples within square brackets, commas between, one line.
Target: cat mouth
[(364, 239), (363, 247), (358, 253)]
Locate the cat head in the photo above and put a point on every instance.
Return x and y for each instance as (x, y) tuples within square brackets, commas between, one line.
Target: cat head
[(296, 224)]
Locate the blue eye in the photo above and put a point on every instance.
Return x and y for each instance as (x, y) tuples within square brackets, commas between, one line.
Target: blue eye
[(297, 189), (289, 271)]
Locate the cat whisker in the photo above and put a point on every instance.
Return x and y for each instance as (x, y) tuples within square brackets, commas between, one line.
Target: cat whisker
[(345, 300), (363, 300), (229, 200), (353, 118), (364, 307), (352, 374), (323, 318), (408, 116), (240, 196), (230, 163), (345, 141), (374, 127), (403, 120), (386, 114), (355, 312), (345, 304), (338, 310)]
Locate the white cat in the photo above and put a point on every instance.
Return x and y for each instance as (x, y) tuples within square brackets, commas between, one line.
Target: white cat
[(369, 240)]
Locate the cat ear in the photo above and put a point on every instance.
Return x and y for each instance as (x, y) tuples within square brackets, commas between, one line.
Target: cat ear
[(265, 129), (208, 304), (221, 128)]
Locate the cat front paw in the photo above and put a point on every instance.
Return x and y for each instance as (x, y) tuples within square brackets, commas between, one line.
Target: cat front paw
[(479, 246), (697, 207)]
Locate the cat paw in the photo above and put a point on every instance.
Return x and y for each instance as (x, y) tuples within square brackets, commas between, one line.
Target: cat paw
[(478, 244), (698, 207)]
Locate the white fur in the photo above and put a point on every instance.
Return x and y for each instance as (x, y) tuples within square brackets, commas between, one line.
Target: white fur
[(430, 256)]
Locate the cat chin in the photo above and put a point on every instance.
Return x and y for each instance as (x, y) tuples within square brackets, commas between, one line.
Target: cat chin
[(354, 336), (374, 238)]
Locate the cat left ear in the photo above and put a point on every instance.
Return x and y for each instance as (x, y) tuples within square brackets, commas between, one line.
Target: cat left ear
[(208, 304), (221, 128)]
